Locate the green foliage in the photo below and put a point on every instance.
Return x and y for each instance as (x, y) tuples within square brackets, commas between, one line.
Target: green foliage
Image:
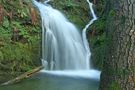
[(69, 4), (22, 13), (98, 44), (5, 23), (100, 25), (19, 55), (76, 11)]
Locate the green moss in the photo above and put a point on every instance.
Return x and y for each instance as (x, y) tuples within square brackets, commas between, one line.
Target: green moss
[(114, 86), (112, 13), (1, 56), (76, 11), (21, 54)]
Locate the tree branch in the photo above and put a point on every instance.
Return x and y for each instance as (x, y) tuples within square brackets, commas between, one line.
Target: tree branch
[(23, 76)]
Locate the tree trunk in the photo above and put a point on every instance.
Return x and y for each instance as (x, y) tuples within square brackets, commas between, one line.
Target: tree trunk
[(119, 66), (23, 76)]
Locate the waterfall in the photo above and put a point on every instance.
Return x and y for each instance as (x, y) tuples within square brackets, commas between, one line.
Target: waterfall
[(63, 46), (85, 41)]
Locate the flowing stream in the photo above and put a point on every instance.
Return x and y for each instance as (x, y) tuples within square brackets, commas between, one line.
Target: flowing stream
[(65, 55)]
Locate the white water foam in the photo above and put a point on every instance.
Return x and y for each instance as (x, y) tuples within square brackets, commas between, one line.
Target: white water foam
[(88, 74)]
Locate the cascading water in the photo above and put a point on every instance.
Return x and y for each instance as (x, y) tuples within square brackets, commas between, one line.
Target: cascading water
[(65, 53), (85, 41), (63, 46)]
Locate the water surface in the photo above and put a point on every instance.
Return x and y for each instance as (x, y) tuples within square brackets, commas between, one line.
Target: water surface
[(48, 81)]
